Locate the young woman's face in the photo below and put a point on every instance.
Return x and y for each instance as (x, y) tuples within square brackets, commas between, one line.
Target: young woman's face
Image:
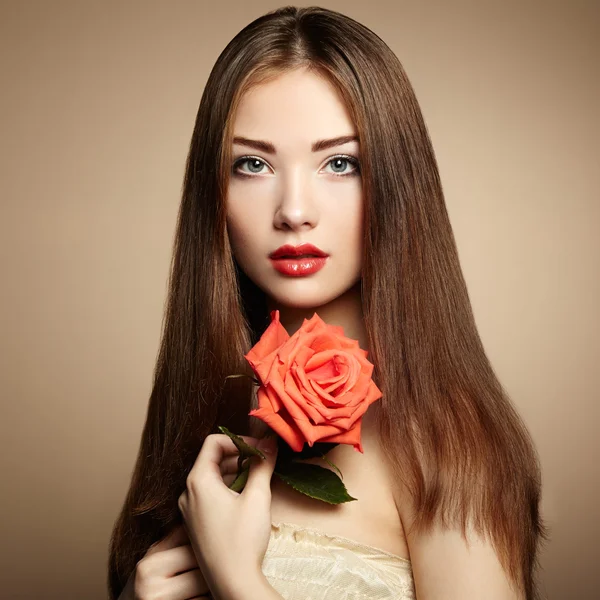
[(293, 193)]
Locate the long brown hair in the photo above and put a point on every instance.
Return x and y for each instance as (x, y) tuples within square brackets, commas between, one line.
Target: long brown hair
[(460, 448)]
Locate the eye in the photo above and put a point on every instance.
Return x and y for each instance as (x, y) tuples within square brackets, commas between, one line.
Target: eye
[(342, 160), (255, 165), (339, 165)]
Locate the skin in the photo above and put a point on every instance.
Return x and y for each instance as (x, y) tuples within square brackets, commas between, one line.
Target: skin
[(230, 531), (218, 551), (291, 196), (296, 195)]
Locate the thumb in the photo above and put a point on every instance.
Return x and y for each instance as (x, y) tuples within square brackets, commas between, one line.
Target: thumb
[(261, 470)]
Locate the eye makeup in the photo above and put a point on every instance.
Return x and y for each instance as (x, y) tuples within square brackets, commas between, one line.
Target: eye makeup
[(352, 160)]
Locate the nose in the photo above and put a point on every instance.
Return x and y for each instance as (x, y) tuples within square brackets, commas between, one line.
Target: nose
[(296, 209)]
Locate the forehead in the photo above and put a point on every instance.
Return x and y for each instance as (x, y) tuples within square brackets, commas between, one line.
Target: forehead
[(298, 106)]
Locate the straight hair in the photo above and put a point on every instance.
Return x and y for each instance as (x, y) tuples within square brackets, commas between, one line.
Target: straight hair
[(460, 449)]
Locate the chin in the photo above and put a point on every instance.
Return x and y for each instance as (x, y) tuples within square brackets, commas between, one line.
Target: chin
[(299, 303), (302, 299)]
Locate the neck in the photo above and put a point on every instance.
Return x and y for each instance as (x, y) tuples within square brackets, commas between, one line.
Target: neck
[(345, 311)]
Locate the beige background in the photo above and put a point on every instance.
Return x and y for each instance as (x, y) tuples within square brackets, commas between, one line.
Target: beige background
[(96, 112)]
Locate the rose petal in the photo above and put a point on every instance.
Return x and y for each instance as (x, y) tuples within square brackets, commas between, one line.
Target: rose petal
[(348, 343), (292, 389), (327, 398), (302, 356), (313, 400), (273, 337), (323, 341), (287, 353), (351, 436), (327, 364), (269, 399), (349, 369), (321, 358), (316, 384), (309, 325), (303, 383), (283, 426), (322, 398), (338, 330), (324, 431), (353, 370), (328, 412), (295, 411)]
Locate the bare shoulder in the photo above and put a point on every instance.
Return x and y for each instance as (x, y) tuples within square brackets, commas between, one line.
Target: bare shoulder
[(446, 566), (372, 521)]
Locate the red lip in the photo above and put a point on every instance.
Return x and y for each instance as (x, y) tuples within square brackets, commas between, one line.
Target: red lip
[(294, 251)]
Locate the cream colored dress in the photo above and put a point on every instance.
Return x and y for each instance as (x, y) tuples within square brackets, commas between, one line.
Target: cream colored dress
[(307, 564)]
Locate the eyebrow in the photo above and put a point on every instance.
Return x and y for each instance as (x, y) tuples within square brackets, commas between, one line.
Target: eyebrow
[(317, 146)]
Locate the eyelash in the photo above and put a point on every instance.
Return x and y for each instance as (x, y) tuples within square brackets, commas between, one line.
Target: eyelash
[(351, 159)]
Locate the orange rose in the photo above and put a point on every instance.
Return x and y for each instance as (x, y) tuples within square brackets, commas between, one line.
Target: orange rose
[(315, 385)]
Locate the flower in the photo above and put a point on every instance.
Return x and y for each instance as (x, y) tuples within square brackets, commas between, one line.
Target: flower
[(315, 386)]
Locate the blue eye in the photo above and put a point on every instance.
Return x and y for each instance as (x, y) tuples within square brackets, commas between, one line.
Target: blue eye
[(250, 160), (256, 164), (345, 159)]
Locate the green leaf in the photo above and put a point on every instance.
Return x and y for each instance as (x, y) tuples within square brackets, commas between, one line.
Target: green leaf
[(332, 465), (314, 481), (244, 449), (241, 479)]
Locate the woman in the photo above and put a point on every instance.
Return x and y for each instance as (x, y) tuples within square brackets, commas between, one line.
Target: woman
[(449, 482)]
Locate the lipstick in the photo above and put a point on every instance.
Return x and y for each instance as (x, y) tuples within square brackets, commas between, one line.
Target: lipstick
[(298, 261)]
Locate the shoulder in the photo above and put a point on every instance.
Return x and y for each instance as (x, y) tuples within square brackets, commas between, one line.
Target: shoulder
[(449, 566)]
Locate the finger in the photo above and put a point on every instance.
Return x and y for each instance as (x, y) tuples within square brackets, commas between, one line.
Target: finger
[(179, 568), (251, 441), (229, 479), (229, 465), (178, 560), (188, 585), (176, 537), (215, 449), (261, 470)]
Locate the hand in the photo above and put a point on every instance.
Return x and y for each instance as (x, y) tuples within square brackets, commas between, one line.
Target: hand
[(229, 531), (168, 570)]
